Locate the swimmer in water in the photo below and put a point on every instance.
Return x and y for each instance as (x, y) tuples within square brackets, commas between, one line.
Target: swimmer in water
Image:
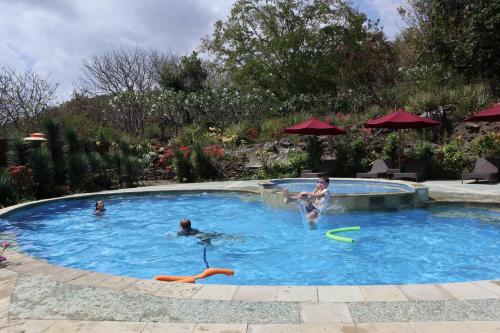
[(99, 208), (315, 201)]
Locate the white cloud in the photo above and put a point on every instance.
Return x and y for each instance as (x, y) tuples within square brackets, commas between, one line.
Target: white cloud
[(52, 37)]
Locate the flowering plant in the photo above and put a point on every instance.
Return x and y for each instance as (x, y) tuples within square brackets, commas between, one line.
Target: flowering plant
[(5, 244)]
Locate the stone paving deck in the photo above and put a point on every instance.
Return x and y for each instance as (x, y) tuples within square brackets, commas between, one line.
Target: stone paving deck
[(38, 297)]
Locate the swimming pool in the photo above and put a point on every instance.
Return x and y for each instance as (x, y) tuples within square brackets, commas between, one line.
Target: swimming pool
[(264, 245)]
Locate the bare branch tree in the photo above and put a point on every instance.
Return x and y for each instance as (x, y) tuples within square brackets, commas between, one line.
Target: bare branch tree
[(123, 71), (22, 97)]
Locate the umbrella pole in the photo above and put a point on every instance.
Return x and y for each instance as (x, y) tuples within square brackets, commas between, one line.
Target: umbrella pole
[(400, 141)]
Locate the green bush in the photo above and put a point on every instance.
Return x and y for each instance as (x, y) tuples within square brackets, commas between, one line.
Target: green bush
[(390, 151), (183, 167), (314, 149), (423, 150), (467, 99), (297, 160), (352, 156), (130, 166), (41, 165), (452, 160), (486, 146)]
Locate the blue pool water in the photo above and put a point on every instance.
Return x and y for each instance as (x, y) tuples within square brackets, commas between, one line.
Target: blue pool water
[(264, 245), (338, 186)]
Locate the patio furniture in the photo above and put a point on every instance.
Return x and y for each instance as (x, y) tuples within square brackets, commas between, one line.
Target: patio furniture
[(414, 169), (326, 168), (484, 170), (379, 170)]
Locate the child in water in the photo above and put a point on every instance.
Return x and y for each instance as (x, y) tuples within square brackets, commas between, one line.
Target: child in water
[(187, 230), (315, 201), (99, 208)]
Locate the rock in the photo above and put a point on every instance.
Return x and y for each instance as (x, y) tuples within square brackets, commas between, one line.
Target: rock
[(472, 127), (286, 143), (270, 146)]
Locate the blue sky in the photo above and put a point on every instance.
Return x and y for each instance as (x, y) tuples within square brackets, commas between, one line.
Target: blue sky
[(53, 37)]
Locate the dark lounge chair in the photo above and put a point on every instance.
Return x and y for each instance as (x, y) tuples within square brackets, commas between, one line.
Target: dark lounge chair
[(485, 170), (326, 168), (379, 170), (414, 169)]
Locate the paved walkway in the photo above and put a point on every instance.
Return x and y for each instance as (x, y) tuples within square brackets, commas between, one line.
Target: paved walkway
[(470, 191), (39, 297)]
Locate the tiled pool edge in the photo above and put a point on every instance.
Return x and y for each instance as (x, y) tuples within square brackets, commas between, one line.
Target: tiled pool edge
[(22, 263)]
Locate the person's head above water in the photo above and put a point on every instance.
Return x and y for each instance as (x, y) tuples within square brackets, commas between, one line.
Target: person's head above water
[(99, 206), (185, 224), (323, 182)]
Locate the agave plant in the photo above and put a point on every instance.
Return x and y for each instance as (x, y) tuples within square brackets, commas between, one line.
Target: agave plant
[(78, 171), (41, 165), (183, 167), (5, 187), (55, 146), (72, 142), (203, 167), (18, 152)]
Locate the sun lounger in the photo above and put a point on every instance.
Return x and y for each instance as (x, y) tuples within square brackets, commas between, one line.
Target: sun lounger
[(326, 168), (414, 169), (379, 169), (484, 170)]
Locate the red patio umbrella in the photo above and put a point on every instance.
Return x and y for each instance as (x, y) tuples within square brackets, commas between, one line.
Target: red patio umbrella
[(491, 114), (314, 127), (399, 120)]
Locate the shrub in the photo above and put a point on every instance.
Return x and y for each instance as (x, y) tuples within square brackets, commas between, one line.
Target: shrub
[(486, 146), (40, 164), (452, 160), (297, 160), (232, 165), (423, 150), (291, 168), (182, 166), (23, 185), (351, 156), (72, 142), (130, 166), (390, 151), (5, 187), (314, 149), (467, 99)]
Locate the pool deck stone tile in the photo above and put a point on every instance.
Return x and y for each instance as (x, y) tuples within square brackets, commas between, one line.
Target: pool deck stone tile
[(273, 328), (385, 293), (466, 290), (28, 267), (118, 282), (215, 292), (65, 326), (121, 327), (325, 313), (256, 293), (427, 292), (484, 326), (168, 328), (149, 287), (218, 328), (67, 274), (384, 328), (440, 327), (297, 294), (339, 294), (178, 290), (491, 286), (89, 279), (329, 328)]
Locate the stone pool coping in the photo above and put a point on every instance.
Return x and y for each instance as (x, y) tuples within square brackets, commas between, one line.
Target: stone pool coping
[(315, 303)]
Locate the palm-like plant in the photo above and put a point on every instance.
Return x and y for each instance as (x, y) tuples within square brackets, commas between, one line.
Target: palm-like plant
[(40, 163), (5, 187), (55, 146), (18, 152)]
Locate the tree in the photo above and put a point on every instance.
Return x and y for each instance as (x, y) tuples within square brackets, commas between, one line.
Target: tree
[(123, 71), (188, 76), (22, 97), (463, 35), (290, 46)]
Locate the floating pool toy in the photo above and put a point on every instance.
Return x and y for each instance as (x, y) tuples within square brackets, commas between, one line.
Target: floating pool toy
[(331, 234), (192, 279)]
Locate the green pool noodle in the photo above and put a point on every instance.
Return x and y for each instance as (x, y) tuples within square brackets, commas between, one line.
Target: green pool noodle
[(331, 234)]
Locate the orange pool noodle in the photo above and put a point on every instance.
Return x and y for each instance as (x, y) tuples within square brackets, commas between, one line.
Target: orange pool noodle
[(192, 279)]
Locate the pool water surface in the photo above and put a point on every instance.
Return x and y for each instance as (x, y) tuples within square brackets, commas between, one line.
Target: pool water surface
[(137, 237)]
